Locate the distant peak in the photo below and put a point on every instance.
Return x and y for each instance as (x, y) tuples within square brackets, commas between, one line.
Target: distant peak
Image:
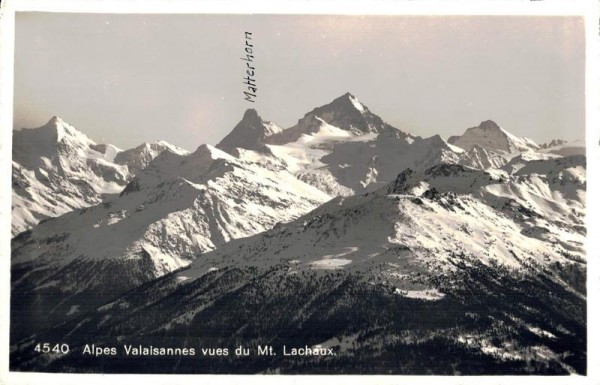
[(251, 114), (54, 120), (251, 119), (249, 133), (490, 136), (347, 97), (156, 145), (206, 148), (62, 129), (489, 125), (553, 143), (345, 104)]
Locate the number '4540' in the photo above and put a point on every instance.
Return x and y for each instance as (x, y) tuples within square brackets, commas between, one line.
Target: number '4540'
[(49, 348)]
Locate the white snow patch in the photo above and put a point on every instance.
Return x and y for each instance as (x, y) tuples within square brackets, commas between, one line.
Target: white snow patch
[(74, 309), (455, 148), (540, 332), (327, 264), (426, 294), (358, 105)]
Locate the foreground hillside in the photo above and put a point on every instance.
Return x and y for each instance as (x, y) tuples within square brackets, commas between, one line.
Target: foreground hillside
[(437, 273)]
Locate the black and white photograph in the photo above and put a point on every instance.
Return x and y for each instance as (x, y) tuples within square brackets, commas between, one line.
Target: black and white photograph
[(237, 193)]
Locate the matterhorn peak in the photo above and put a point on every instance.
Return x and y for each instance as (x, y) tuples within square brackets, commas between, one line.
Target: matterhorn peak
[(251, 114), (249, 133)]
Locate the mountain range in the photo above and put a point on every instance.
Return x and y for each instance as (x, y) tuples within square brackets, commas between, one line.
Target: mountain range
[(327, 233), (57, 168)]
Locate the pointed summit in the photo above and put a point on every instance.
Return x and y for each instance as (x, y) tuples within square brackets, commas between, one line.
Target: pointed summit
[(52, 131), (345, 112), (250, 133), (489, 125), (251, 115), (60, 130), (348, 102), (348, 113), (54, 138), (54, 121), (490, 136)]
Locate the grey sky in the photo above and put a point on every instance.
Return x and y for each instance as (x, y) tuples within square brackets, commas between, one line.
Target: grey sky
[(125, 79)]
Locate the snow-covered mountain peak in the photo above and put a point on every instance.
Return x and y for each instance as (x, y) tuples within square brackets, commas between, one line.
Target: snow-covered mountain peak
[(51, 132), (356, 103), (54, 120), (66, 132), (136, 159), (345, 112), (491, 136), (169, 166), (55, 123), (157, 146), (56, 141), (348, 102), (176, 208), (348, 113), (57, 168)]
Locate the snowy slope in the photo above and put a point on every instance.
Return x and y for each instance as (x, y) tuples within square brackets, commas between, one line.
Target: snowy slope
[(482, 158), (425, 224), (464, 237), (57, 168), (431, 215), (177, 208), (422, 224), (492, 137)]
